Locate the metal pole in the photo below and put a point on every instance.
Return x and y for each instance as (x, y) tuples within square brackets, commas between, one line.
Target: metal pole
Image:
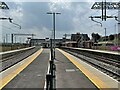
[(51, 47), (6, 38), (12, 38), (54, 32), (11, 41), (102, 12), (15, 39), (105, 34), (54, 13), (51, 66), (105, 38), (105, 17), (115, 36)]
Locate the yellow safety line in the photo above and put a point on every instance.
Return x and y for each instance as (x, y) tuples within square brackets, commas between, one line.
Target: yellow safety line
[(99, 83), (13, 74)]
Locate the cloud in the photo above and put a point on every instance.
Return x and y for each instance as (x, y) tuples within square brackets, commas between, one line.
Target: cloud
[(42, 32), (59, 4), (57, 1), (74, 18)]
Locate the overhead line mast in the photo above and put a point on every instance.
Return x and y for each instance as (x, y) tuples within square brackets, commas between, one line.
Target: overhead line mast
[(104, 6)]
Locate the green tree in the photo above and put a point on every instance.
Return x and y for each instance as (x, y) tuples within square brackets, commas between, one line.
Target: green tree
[(111, 37), (95, 37)]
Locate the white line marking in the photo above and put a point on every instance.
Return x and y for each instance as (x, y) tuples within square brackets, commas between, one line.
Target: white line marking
[(47, 70), (7, 52)]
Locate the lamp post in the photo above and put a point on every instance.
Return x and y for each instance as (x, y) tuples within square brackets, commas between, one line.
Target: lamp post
[(54, 27), (52, 65)]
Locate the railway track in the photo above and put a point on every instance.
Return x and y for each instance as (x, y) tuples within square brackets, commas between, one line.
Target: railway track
[(14, 59), (109, 66)]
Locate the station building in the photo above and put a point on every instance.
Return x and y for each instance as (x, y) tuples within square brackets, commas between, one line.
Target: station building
[(46, 42)]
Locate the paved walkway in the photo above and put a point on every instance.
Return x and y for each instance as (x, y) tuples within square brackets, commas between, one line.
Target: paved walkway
[(34, 75), (69, 76)]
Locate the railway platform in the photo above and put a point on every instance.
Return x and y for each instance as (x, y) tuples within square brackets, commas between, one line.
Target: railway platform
[(98, 78), (71, 73), (69, 76), (32, 76)]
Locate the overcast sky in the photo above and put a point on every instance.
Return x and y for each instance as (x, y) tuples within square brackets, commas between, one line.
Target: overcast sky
[(31, 15)]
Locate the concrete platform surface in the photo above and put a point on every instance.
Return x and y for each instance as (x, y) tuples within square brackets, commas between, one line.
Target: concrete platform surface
[(69, 76), (100, 79), (70, 73), (34, 75)]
